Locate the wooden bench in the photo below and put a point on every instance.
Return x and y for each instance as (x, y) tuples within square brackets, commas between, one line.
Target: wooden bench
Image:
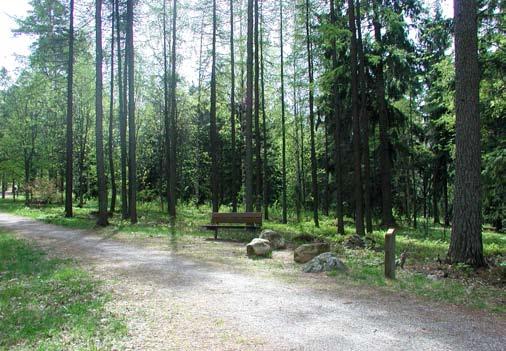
[(248, 220)]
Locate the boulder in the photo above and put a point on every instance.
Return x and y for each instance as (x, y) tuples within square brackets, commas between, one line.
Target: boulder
[(354, 242), (275, 239), (258, 247), (323, 263), (306, 252)]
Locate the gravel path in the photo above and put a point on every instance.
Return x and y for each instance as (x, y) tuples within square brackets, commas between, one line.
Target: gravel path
[(173, 303)]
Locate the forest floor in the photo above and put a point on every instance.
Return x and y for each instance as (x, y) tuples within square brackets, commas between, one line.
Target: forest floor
[(182, 292)]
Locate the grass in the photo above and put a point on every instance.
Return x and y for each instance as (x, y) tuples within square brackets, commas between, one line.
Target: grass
[(423, 245), (49, 304)]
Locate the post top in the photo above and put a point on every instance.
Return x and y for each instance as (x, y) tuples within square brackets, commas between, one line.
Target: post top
[(390, 231)]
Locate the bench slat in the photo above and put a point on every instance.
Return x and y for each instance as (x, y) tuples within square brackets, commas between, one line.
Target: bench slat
[(246, 218)]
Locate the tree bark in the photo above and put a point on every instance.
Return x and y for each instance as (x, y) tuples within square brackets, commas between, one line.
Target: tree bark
[(265, 169), (466, 240), (69, 181), (337, 132), (132, 147), (99, 115), (235, 166), (111, 119), (248, 158), (258, 141), (122, 117), (359, 215), (213, 129), (283, 127), (314, 175), (385, 161), (173, 112)]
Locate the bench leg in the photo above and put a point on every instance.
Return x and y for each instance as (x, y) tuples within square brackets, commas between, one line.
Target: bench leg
[(215, 233)]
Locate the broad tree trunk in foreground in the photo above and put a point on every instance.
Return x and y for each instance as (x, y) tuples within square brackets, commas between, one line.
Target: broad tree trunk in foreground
[(466, 241), (173, 111), (99, 115), (235, 173)]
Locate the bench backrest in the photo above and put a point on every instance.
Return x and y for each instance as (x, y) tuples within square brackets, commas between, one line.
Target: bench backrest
[(249, 218)]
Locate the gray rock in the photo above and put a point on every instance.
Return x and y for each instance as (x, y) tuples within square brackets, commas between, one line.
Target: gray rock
[(323, 263), (306, 252), (354, 242), (275, 239), (258, 247)]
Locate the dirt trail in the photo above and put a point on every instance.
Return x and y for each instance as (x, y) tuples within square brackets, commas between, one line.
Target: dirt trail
[(172, 303)]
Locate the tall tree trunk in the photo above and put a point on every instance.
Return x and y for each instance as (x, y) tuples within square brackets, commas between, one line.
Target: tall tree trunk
[(14, 190), (213, 128), (466, 241), (298, 186), (258, 141), (70, 137), (235, 166), (132, 147), (111, 119), (99, 115), (337, 132), (4, 186), (173, 112), (314, 175), (265, 169), (359, 214), (122, 117), (364, 120), (445, 194), (283, 127), (385, 161), (248, 161), (326, 183), (435, 190), (166, 159)]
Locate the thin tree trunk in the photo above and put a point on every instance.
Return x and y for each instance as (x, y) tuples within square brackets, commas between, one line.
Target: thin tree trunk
[(466, 241), (122, 117), (385, 161), (166, 158), (14, 190), (265, 169), (364, 120), (248, 162), (213, 128), (69, 182), (359, 215), (314, 175), (337, 133), (326, 185), (235, 166), (99, 115), (283, 127), (258, 141), (173, 112), (111, 124), (298, 185), (4, 186)]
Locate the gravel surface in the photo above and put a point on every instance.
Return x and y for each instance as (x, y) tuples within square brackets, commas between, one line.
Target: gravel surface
[(174, 303)]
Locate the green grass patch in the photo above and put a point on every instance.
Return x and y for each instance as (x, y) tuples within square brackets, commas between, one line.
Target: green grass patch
[(49, 304)]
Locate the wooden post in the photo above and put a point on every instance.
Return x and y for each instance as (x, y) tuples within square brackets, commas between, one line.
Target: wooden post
[(390, 254)]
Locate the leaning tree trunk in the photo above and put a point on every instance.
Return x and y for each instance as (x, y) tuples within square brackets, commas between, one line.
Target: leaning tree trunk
[(99, 115), (466, 241)]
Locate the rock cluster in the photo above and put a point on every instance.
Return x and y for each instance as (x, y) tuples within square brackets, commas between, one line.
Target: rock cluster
[(325, 262)]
